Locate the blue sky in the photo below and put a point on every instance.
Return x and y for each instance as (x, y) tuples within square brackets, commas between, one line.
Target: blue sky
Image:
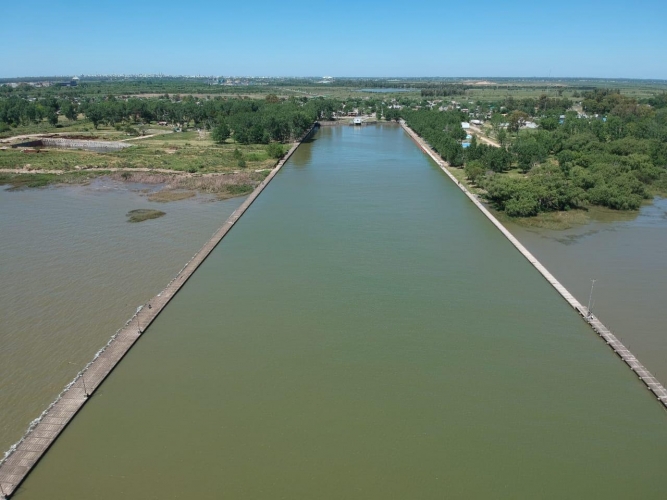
[(566, 38)]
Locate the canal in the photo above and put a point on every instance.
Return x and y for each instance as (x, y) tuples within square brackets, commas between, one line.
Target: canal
[(363, 332)]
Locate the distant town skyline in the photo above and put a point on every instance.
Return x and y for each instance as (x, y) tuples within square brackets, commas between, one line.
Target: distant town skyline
[(567, 39)]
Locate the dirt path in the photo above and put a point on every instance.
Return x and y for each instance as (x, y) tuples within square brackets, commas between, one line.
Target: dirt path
[(121, 169), (95, 169), (31, 136), (145, 136), (114, 169), (481, 137), (25, 137)]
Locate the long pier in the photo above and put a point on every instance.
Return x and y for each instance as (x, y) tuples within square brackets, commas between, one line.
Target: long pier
[(44, 430), (612, 341)]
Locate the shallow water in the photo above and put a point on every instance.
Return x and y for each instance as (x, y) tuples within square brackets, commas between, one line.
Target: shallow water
[(627, 260), (72, 272), (363, 332)]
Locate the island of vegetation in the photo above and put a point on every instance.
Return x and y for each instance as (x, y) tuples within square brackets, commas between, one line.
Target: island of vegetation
[(142, 214)]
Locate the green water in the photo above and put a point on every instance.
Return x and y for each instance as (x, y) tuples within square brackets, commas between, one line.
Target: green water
[(363, 333)]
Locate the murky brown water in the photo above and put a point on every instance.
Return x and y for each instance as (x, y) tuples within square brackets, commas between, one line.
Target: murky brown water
[(628, 260), (72, 272)]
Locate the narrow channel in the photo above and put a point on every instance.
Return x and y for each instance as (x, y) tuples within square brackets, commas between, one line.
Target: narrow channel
[(363, 332)]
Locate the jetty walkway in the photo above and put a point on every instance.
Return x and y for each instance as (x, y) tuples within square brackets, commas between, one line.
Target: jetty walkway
[(646, 377), (44, 430)]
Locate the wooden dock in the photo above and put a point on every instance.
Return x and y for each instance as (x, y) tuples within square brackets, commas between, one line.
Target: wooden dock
[(44, 430), (646, 377)]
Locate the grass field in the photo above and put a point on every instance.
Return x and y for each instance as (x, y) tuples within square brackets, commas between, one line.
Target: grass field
[(179, 152), (183, 162)]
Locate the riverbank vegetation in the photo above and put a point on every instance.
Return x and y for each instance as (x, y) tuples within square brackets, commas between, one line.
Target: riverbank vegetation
[(611, 154), (23, 181), (192, 136), (564, 145)]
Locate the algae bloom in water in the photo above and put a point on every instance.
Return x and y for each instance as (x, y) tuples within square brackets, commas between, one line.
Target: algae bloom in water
[(143, 214)]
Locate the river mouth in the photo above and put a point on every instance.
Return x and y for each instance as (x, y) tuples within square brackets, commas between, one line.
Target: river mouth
[(363, 332)]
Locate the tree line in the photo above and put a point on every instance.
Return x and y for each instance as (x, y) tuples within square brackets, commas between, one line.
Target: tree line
[(617, 161), (442, 130), (444, 90), (15, 111), (248, 121)]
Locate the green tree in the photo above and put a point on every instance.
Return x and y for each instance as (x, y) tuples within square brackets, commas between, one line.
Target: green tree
[(69, 110), (220, 133), (528, 153), (94, 114), (516, 120), (475, 170), (52, 117), (502, 136)]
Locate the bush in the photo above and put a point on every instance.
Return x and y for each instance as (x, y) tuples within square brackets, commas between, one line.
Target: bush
[(275, 150), (525, 205)]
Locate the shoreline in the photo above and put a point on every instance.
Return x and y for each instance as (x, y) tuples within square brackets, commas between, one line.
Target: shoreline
[(42, 432), (224, 185), (651, 383)]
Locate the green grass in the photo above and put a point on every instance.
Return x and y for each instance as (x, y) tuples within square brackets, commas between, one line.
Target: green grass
[(181, 152), (64, 126), (167, 195), (23, 181), (549, 220), (237, 190)]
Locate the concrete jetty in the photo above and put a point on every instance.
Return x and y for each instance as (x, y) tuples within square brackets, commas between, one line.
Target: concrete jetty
[(645, 376), (44, 430)]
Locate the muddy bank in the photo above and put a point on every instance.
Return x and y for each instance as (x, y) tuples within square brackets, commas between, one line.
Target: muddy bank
[(223, 186)]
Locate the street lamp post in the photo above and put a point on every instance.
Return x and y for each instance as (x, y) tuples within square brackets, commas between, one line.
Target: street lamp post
[(137, 313), (83, 380), (590, 298)]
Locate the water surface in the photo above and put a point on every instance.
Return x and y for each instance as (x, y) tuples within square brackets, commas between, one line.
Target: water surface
[(363, 332), (627, 260), (72, 272)]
